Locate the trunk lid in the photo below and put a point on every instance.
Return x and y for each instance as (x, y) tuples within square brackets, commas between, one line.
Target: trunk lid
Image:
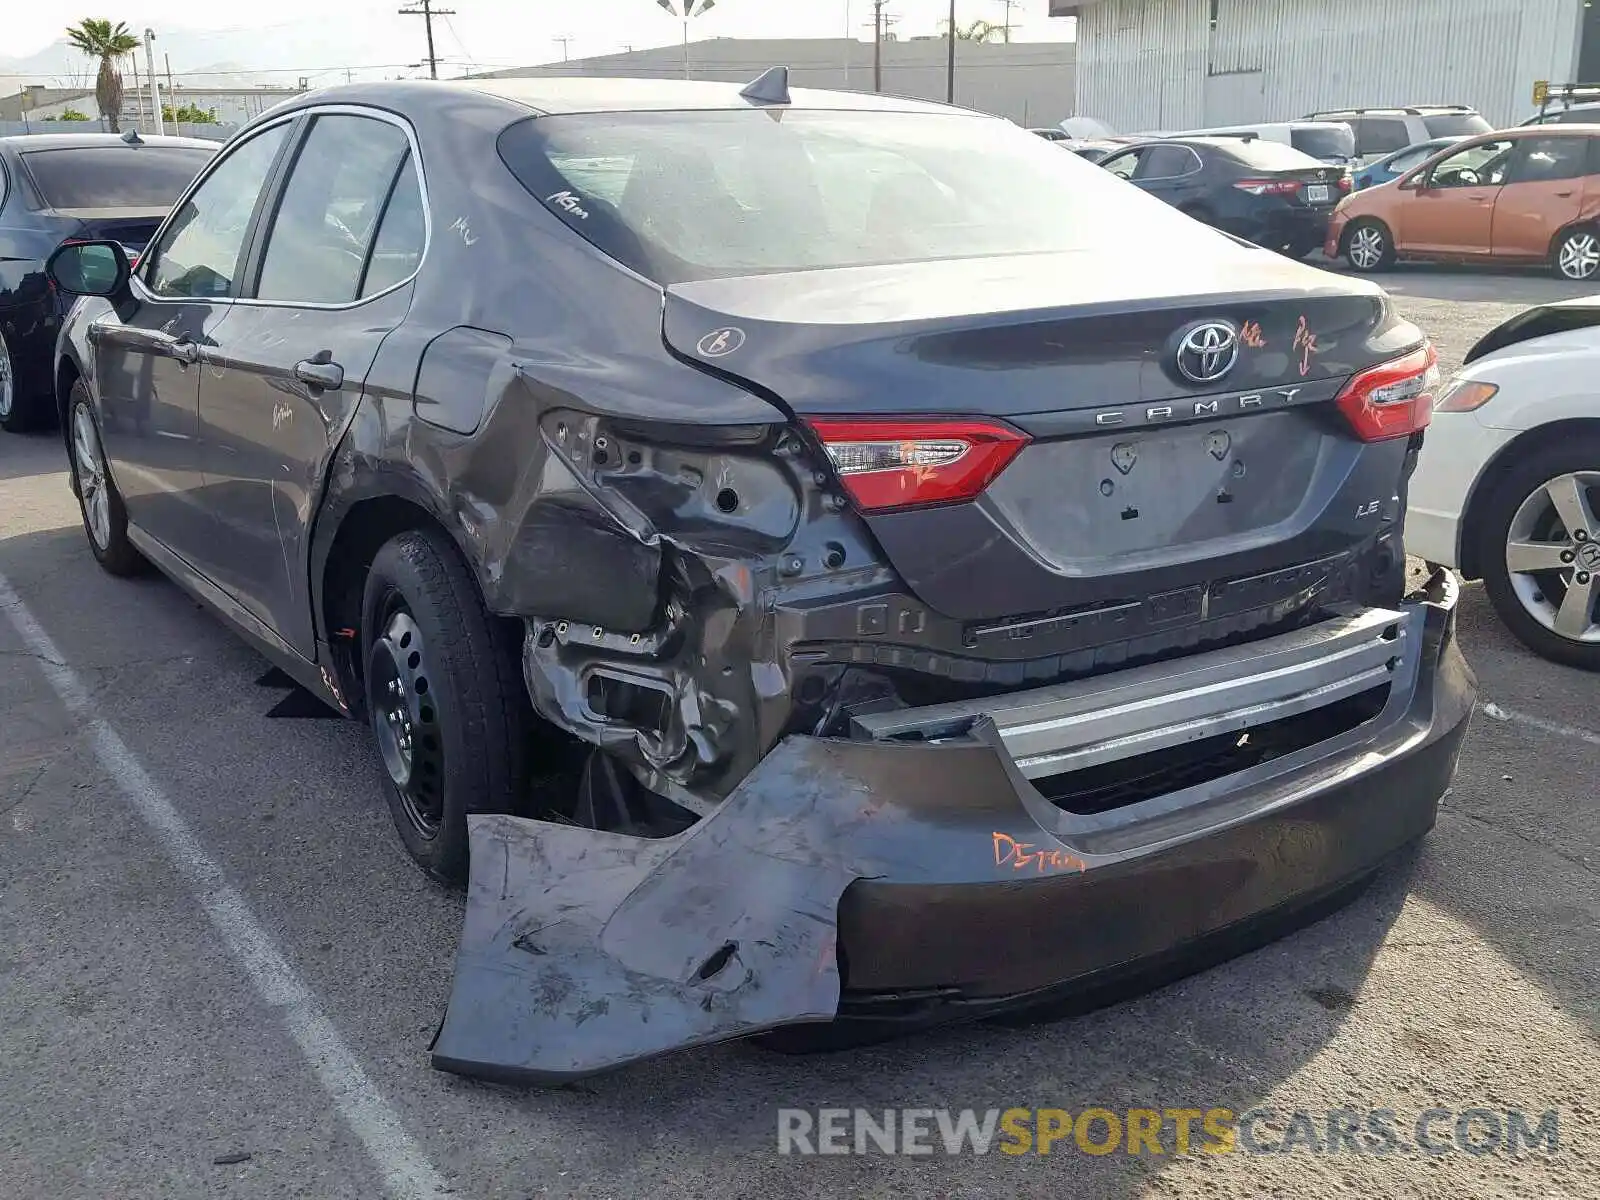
[(132, 227), (1139, 479)]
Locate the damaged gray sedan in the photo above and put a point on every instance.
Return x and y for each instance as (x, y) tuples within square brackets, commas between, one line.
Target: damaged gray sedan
[(817, 557)]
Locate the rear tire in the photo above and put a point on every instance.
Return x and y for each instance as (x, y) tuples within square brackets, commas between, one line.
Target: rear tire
[(1576, 255), (1521, 510), (1368, 245), (105, 520), (445, 699)]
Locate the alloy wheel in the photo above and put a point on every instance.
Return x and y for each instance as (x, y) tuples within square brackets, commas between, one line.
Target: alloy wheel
[(1579, 256), (1366, 247), (1553, 557), (405, 719), (8, 380), (92, 483)]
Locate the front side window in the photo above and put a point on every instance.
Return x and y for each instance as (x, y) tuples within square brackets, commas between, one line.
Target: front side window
[(320, 236), (1483, 165), (1545, 160), (678, 196), (199, 254)]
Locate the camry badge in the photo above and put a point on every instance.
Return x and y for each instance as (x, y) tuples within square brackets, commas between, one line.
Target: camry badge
[(1208, 352)]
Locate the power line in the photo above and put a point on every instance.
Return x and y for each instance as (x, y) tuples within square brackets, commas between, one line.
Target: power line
[(427, 12)]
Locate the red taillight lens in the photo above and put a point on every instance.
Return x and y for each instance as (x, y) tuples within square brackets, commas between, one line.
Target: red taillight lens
[(1269, 187), (1346, 182), (1394, 398), (908, 463)]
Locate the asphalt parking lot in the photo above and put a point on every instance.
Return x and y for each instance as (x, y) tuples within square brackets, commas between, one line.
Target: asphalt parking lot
[(212, 946)]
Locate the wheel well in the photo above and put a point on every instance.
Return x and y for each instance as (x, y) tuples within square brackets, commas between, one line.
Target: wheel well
[(361, 534), (1555, 242), (1532, 440), (66, 375)]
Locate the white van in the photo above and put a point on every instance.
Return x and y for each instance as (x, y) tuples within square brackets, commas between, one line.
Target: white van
[(1328, 141)]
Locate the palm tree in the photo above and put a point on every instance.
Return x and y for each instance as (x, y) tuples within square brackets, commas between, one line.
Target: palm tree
[(978, 31), (107, 42)]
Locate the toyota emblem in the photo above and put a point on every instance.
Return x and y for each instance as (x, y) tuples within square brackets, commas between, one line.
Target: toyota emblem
[(1208, 352)]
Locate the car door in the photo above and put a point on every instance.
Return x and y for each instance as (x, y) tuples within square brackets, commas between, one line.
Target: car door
[(147, 353), (1543, 194), (333, 265), (1451, 212)]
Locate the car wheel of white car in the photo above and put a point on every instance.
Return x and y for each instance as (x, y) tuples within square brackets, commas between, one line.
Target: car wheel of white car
[(1578, 255), (1541, 552), (1368, 246)]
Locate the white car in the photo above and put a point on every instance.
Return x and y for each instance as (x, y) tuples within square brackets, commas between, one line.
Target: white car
[(1507, 487)]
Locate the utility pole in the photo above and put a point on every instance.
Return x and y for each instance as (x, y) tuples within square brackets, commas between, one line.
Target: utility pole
[(950, 62), (877, 44), (172, 92), (138, 96), (565, 40), (150, 74), (427, 12), (1006, 25)]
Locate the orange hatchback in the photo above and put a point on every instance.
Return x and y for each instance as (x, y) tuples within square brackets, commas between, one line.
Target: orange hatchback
[(1521, 195)]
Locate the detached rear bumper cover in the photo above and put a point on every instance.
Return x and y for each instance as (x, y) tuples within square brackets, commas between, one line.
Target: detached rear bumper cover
[(938, 865)]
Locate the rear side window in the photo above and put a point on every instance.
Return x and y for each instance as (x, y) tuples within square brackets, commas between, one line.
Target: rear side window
[(1456, 125), (1324, 141), (1546, 160), (1270, 156), (1168, 162), (324, 226), (114, 176), (1380, 135)]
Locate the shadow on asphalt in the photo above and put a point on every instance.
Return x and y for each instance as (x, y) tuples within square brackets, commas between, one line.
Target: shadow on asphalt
[(24, 454)]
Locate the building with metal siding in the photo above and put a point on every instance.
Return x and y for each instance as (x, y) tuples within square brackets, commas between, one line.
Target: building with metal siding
[(1175, 64)]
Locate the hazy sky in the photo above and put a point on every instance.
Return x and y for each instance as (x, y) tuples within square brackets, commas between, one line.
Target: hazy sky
[(486, 33)]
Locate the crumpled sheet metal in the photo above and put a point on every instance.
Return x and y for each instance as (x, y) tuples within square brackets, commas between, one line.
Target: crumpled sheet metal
[(585, 951)]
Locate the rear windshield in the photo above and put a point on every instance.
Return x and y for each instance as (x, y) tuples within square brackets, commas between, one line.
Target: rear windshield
[(1270, 156), (114, 176), (1456, 125), (1324, 142), (698, 195)]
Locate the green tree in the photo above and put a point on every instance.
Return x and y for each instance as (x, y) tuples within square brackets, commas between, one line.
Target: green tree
[(189, 114), (101, 39), (73, 114), (977, 31)]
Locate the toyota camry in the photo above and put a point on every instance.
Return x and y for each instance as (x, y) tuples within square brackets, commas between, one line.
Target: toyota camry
[(804, 557)]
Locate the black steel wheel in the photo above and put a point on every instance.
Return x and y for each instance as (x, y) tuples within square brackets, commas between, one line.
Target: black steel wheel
[(445, 699)]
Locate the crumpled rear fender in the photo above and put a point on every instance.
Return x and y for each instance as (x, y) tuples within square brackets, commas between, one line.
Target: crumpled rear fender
[(585, 951)]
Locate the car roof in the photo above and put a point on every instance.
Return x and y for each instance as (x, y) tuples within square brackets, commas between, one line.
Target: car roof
[(29, 142), (1409, 110), (572, 94)]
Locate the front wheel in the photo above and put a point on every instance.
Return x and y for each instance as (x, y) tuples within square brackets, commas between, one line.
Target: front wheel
[(105, 520), (1577, 255), (1369, 246), (18, 412), (445, 699), (1540, 550)]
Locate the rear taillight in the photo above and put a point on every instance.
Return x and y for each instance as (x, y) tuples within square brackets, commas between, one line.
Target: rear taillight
[(1268, 187), (1394, 398), (1346, 183), (907, 463)]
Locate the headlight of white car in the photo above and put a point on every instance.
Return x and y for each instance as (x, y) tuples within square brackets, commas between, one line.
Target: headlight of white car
[(1464, 395)]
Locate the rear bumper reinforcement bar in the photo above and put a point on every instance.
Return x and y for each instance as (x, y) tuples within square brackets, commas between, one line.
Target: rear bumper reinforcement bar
[(1070, 726)]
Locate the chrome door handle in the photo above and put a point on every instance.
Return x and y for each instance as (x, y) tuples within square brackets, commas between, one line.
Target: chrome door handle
[(186, 350), (320, 371)]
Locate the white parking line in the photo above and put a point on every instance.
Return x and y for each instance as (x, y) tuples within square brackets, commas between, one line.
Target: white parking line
[(406, 1170), (1498, 713)]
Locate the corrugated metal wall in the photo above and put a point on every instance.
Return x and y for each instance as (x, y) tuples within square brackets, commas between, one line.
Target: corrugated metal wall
[(1160, 64)]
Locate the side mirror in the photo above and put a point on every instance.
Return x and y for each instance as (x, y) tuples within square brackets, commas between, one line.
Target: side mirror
[(89, 268), (1411, 183)]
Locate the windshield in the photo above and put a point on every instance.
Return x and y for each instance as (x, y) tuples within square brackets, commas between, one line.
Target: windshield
[(115, 176), (1324, 141), (1456, 125), (697, 195)]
